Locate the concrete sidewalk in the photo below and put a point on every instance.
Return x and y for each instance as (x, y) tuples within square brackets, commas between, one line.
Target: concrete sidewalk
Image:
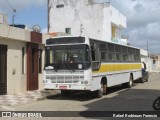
[(30, 96)]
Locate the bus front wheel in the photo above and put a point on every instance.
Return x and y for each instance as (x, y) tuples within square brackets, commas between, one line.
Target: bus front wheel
[(99, 93)]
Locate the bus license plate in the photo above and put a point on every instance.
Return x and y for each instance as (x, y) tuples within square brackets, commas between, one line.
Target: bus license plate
[(63, 87)]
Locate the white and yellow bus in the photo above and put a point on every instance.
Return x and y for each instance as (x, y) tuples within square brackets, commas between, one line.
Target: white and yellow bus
[(85, 64)]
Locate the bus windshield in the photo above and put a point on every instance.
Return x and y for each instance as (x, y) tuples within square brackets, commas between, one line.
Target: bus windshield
[(68, 57)]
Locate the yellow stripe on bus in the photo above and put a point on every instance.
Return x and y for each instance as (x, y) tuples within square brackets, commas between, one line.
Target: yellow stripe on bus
[(117, 67)]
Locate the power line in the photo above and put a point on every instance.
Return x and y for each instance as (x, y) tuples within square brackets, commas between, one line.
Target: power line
[(14, 11)]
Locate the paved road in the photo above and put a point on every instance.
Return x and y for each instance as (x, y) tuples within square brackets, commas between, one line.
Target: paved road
[(138, 98)]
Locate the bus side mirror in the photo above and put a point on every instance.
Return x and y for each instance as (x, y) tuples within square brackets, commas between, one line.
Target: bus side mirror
[(96, 65)]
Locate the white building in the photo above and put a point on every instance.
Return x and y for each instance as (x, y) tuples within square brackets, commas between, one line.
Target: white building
[(84, 17), (151, 61), (3, 19)]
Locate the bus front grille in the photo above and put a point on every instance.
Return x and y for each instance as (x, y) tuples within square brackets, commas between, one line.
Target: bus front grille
[(65, 79)]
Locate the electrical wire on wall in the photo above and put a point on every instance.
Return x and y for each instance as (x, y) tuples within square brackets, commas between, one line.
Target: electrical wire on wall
[(82, 29)]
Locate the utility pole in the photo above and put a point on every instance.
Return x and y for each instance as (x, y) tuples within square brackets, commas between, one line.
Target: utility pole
[(13, 16), (147, 48)]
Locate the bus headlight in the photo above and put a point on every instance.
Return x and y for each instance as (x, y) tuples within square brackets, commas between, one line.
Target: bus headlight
[(44, 81), (84, 82)]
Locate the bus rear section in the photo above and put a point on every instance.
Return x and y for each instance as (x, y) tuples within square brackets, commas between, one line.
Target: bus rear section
[(114, 64)]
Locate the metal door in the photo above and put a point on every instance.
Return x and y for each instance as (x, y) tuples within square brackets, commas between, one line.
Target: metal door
[(32, 66), (3, 69)]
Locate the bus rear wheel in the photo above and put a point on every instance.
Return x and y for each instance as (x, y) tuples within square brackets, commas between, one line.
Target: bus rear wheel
[(142, 80), (128, 84)]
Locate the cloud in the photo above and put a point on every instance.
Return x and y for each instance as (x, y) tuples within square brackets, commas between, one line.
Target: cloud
[(143, 22)]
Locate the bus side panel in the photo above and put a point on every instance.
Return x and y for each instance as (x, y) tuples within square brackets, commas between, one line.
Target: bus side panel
[(137, 75), (117, 79), (95, 85)]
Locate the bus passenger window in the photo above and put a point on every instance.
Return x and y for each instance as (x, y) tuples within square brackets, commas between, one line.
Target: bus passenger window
[(118, 57), (93, 54), (110, 56), (103, 56), (125, 57)]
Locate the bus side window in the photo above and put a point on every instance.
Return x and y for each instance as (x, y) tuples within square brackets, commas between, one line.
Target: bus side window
[(103, 56), (93, 53)]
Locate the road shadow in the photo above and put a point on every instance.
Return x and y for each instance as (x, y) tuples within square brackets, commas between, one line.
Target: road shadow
[(128, 100), (84, 96)]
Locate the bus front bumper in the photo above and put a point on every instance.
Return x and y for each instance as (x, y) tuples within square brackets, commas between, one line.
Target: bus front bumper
[(67, 87)]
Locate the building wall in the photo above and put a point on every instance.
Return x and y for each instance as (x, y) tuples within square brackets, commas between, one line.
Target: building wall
[(78, 19), (112, 18), (40, 75), (3, 19), (151, 62), (16, 81), (85, 18), (7, 31), (158, 64), (16, 39)]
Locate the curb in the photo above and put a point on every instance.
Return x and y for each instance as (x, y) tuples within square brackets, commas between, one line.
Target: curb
[(31, 97)]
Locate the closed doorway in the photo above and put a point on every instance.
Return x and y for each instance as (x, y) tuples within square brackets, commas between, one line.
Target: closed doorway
[(32, 66), (3, 69)]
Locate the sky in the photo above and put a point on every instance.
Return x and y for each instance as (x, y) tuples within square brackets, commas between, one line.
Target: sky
[(28, 12), (143, 18)]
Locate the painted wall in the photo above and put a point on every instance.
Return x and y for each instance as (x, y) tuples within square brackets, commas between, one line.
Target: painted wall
[(152, 64), (40, 75), (112, 17), (16, 39), (16, 81), (3, 19), (84, 18)]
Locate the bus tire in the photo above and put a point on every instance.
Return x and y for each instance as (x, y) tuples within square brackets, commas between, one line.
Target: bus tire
[(99, 93), (147, 76), (142, 80), (146, 79), (130, 83), (104, 85), (105, 90)]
